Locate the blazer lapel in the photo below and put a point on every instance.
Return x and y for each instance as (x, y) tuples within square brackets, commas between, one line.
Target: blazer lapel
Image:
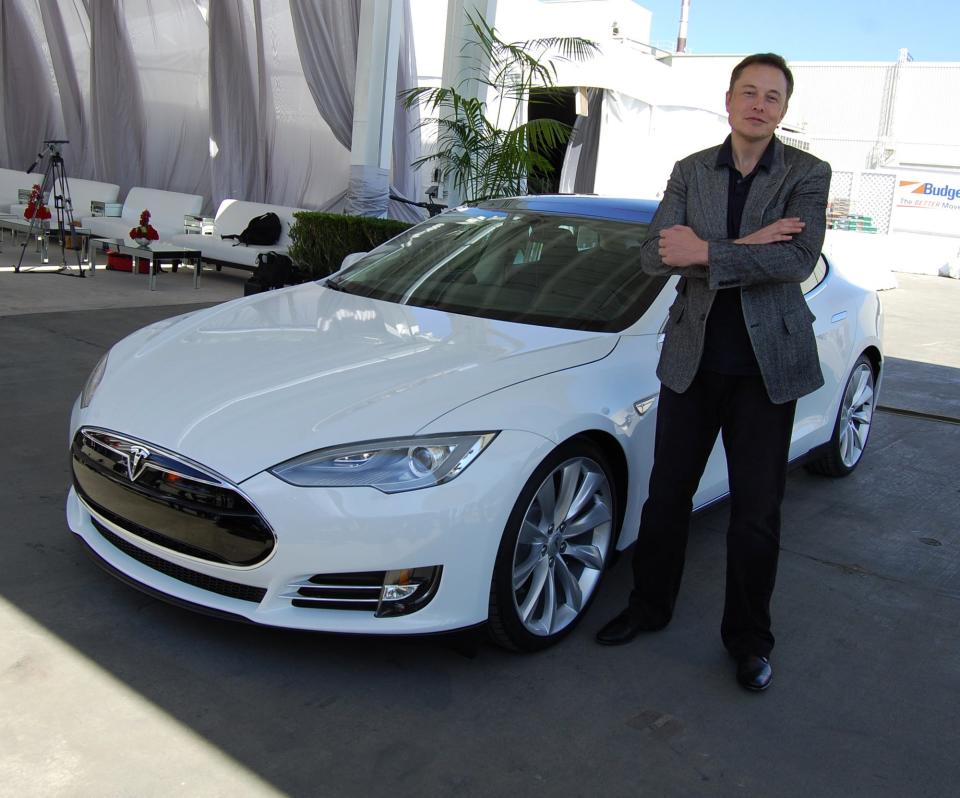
[(712, 188), (764, 188)]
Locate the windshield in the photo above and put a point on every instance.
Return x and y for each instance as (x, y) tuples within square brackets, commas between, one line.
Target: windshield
[(533, 268)]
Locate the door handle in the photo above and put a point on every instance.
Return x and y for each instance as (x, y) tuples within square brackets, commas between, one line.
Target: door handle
[(838, 317)]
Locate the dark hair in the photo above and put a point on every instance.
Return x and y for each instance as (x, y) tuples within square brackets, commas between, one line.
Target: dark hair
[(767, 59)]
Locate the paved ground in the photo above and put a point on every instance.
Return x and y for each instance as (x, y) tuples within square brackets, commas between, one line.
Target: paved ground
[(105, 692), (40, 289)]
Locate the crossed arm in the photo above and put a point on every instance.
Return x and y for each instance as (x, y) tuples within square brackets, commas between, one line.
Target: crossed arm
[(680, 247), (783, 251)]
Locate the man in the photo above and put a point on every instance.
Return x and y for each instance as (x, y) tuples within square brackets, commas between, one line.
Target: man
[(742, 224)]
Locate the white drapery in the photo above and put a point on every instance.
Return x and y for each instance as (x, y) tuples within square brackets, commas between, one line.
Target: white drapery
[(68, 42), (639, 142), (235, 102), (116, 102), (214, 97), (27, 103), (327, 33), (578, 175)]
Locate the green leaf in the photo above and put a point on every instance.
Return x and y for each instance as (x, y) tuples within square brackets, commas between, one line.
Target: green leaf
[(481, 158)]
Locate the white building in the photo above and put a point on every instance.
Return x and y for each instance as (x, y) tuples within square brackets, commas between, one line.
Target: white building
[(886, 127)]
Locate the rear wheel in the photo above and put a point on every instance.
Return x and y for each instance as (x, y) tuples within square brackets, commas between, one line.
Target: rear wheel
[(852, 429), (554, 548)]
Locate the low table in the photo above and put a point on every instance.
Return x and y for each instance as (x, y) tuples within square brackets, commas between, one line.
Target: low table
[(18, 224), (158, 252), (43, 229)]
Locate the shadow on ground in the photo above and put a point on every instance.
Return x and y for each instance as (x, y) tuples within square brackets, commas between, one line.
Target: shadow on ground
[(866, 675)]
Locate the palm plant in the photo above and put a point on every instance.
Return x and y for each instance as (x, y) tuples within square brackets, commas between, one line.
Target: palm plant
[(491, 152)]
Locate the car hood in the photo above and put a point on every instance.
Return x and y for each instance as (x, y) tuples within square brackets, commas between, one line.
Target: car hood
[(243, 386)]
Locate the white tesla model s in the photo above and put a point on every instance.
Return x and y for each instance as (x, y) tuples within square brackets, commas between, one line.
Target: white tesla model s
[(454, 430)]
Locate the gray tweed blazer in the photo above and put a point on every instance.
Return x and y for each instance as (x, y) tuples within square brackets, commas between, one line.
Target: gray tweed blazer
[(778, 320)]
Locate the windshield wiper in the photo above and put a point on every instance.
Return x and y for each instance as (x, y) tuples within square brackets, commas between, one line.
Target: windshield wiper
[(336, 285), (353, 290)]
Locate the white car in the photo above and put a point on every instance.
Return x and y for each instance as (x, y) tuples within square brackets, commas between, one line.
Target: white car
[(454, 430)]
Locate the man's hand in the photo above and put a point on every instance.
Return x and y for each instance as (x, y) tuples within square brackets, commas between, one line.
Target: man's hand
[(780, 230), (680, 247)]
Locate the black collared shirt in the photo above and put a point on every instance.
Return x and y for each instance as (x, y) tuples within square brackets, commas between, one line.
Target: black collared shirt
[(726, 347)]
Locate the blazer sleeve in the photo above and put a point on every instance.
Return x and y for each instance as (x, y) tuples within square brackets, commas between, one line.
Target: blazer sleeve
[(731, 265), (672, 210)]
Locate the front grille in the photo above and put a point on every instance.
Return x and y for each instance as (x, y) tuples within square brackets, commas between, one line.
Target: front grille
[(204, 582), (159, 497), (350, 591)]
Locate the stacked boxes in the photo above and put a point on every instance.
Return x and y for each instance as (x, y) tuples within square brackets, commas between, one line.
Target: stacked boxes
[(840, 218)]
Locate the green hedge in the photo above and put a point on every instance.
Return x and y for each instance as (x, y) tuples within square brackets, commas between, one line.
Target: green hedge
[(320, 241)]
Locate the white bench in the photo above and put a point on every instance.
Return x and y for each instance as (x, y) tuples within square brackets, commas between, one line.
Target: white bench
[(232, 217), (11, 181), (167, 209), (82, 193)]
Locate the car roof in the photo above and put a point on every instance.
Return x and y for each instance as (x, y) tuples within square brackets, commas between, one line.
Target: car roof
[(620, 208)]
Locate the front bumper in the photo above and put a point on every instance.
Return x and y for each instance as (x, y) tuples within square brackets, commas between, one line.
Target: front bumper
[(322, 531)]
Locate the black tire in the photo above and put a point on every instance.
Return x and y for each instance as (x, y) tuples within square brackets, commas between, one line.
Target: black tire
[(851, 431), (566, 553)]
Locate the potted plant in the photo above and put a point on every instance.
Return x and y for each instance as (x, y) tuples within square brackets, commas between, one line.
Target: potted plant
[(488, 153)]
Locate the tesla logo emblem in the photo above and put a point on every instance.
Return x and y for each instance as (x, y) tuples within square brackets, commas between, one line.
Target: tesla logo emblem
[(136, 462)]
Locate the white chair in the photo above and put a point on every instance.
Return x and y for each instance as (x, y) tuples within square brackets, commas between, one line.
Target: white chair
[(167, 209)]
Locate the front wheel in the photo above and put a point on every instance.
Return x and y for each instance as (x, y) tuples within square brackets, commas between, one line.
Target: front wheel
[(852, 428), (554, 548)]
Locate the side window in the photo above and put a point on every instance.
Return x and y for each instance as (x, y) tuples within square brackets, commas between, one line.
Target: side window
[(816, 276)]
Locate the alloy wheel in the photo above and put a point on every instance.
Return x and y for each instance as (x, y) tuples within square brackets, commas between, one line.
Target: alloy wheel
[(856, 415), (562, 546)]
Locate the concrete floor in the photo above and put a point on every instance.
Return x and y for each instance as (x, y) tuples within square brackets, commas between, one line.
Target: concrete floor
[(40, 288), (106, 692)]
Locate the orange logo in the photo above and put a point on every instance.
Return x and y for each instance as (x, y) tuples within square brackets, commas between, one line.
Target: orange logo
[(919, 186)]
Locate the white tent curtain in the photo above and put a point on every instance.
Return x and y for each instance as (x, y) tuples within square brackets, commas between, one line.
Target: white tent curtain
[(406, 142), (579, 171), (224, 98), (117, 118), (639, 143), (237, 148), (306, 164), (27, 102), (61, 27), (269, 142), (169, 43), (326, 32)]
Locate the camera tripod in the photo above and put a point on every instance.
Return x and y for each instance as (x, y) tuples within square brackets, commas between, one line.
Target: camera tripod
[(55, 183)]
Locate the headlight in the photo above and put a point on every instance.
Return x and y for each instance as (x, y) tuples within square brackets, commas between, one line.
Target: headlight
[(391, 466), (90, 386)]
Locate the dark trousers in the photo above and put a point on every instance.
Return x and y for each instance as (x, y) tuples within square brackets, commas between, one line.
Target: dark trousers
[(756, 439)]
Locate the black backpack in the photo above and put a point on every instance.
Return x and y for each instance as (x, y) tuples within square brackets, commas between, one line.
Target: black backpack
[(275, 270), (261, 231)]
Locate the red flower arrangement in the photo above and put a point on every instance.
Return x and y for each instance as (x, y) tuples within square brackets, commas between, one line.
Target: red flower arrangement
[(35, 207), (144, 229)]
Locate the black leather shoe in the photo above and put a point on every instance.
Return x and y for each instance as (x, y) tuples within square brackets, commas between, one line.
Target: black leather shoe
[(623, 629), (754, 672)]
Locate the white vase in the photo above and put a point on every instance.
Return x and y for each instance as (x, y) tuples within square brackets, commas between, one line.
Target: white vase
[(142, 242)]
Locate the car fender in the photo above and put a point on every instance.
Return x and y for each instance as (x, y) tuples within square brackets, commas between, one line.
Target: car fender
[(587, 399)]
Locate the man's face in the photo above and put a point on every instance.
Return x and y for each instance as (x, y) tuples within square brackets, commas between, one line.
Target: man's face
[(757, 102)]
